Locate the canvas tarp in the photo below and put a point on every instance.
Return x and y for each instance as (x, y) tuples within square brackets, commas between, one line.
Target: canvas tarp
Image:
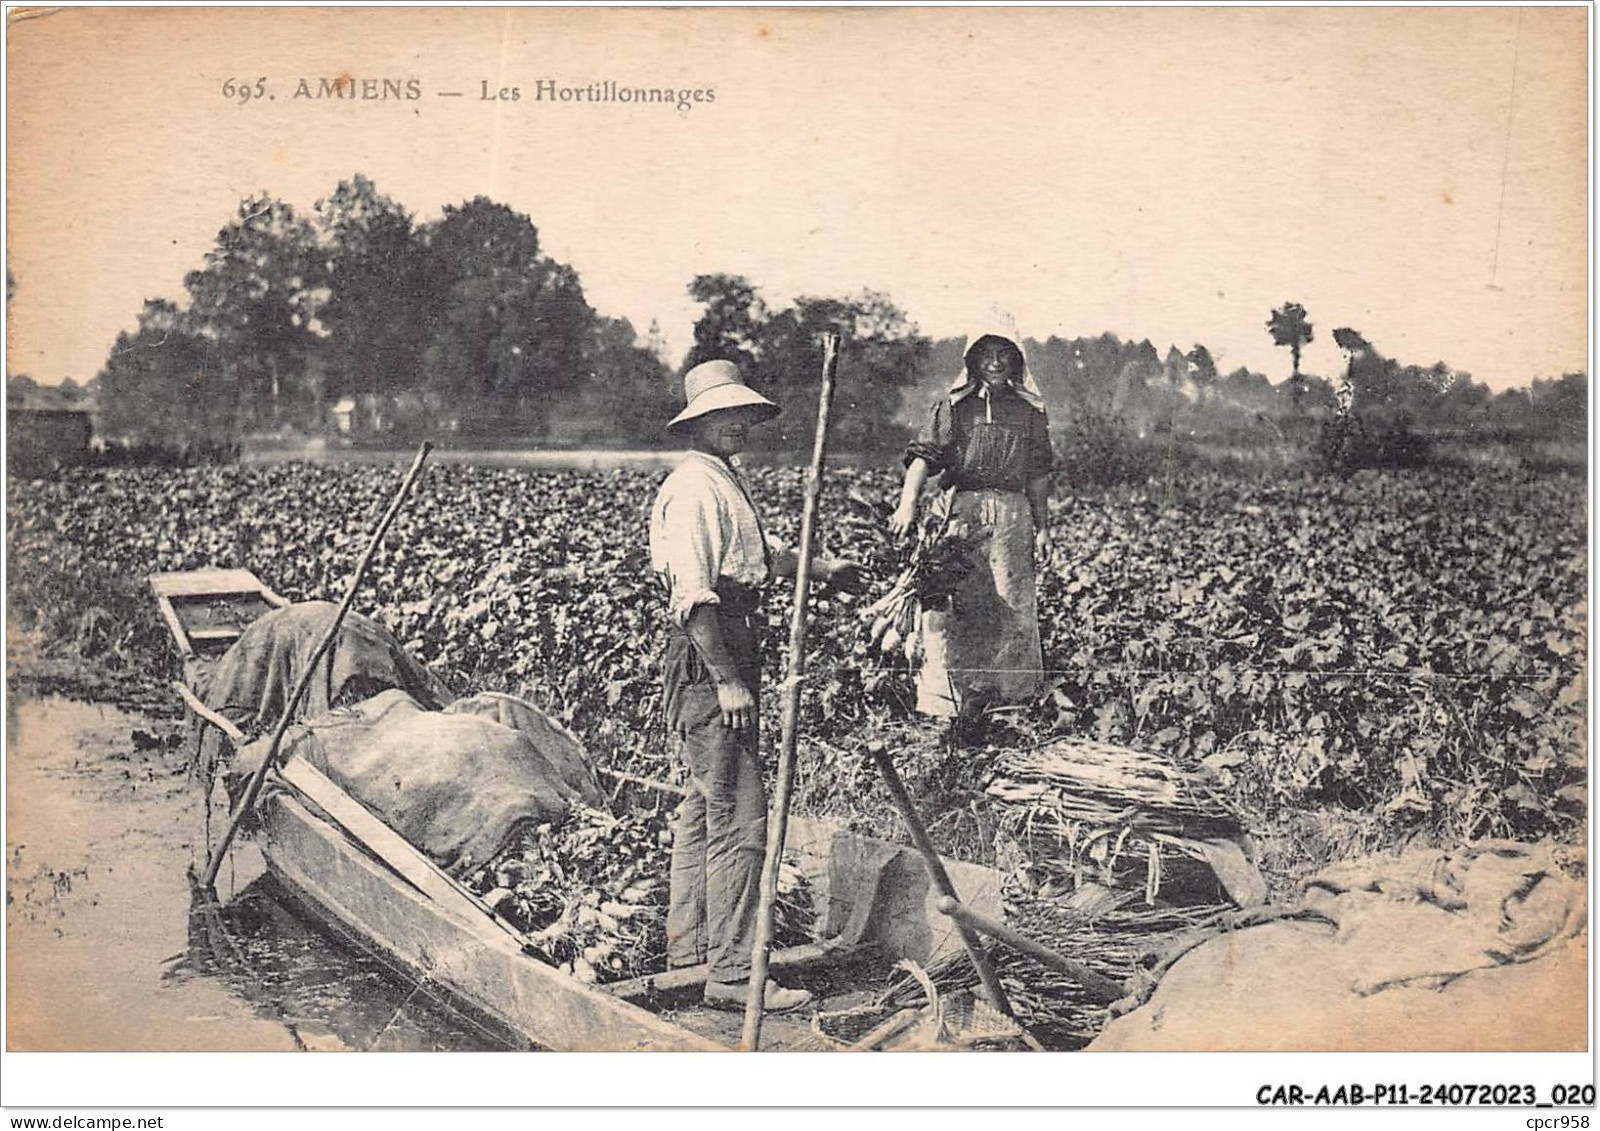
[(455, 783), (253, 680), (455, 777), (1480, 949)]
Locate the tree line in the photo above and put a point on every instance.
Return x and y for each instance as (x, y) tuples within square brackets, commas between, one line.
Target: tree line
[(464, 326), (459, 325)]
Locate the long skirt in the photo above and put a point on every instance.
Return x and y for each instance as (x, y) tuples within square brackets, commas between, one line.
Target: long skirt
[(984, 649)]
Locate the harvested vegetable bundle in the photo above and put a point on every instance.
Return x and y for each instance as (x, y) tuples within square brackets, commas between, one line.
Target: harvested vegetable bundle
[(1096, 781), (944, 562), (894, 628), (941, 557), (591, 894)]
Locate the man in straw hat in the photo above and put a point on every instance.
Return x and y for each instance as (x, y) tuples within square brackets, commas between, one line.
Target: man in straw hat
[(707, 544)]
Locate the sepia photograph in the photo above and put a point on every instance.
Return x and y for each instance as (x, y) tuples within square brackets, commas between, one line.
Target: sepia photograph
[(918, 529)]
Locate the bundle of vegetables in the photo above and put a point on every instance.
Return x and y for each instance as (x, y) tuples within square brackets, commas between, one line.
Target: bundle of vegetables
[(940, 558), (894, 625), (591, 894)]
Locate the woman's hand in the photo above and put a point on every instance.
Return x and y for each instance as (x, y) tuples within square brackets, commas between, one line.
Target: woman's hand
[(903, 519), (1041, 544)]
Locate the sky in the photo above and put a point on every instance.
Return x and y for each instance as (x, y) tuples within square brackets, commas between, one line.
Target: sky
[(1174, 174)]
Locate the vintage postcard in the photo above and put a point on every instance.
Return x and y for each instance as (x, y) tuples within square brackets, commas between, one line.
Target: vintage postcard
[(1043, 530)]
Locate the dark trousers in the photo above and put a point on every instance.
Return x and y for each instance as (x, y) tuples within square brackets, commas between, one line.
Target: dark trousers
[(719, 839)]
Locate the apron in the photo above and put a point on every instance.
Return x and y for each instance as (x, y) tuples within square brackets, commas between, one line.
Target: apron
[(984, 648)]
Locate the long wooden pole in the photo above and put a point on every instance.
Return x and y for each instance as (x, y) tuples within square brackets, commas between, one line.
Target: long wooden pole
[(260, 776), (779, 826), (939, 877), (1105, 990)]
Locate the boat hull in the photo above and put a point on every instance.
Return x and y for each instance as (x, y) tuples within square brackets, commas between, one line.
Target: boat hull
[(472, 963)]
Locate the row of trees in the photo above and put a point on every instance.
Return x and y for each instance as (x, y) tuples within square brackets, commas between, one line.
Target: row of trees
[(1102, 383), (1440, 401), (464, 324), (461, 324)]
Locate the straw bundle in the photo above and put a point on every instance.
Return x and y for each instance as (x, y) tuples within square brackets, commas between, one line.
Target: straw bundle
[(1097, 783), (1127, 944), (1083, 811)]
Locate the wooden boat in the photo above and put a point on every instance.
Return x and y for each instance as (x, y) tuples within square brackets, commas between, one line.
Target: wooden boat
[(358, 876)]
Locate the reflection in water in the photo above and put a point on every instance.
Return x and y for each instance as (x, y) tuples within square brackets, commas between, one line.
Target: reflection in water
[(326, 993)]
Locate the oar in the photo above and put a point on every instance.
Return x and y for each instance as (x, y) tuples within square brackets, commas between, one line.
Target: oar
[(751, 1039), (260, 776), (938, 876)]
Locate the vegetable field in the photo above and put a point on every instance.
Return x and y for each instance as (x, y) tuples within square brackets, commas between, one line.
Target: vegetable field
[(1369, 658)]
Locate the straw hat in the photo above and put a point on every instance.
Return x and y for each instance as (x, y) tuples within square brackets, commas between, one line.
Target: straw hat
[(714, 385)]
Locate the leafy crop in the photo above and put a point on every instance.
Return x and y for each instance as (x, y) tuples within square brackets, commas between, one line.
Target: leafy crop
[(1409, 645)]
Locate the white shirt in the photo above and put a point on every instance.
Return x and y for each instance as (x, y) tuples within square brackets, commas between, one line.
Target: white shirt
[(704, 527)]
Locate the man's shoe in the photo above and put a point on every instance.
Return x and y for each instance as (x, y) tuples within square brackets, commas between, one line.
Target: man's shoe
[(734, 995)]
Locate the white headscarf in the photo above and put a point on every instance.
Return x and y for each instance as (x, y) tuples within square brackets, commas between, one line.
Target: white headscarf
[(1024, 386)]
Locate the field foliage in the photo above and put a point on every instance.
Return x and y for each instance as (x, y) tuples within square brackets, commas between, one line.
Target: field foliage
[(1406, 648)]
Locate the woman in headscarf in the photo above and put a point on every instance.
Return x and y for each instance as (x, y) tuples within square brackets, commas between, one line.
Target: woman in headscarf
[(988, 440)]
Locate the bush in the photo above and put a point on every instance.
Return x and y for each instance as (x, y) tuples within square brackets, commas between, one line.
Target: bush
[(1351, 442), (198, 453), (1099, 449)]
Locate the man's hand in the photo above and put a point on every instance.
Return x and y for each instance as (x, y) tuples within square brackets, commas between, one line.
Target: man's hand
[(738, 705), (1041, 544), (903, 520)]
